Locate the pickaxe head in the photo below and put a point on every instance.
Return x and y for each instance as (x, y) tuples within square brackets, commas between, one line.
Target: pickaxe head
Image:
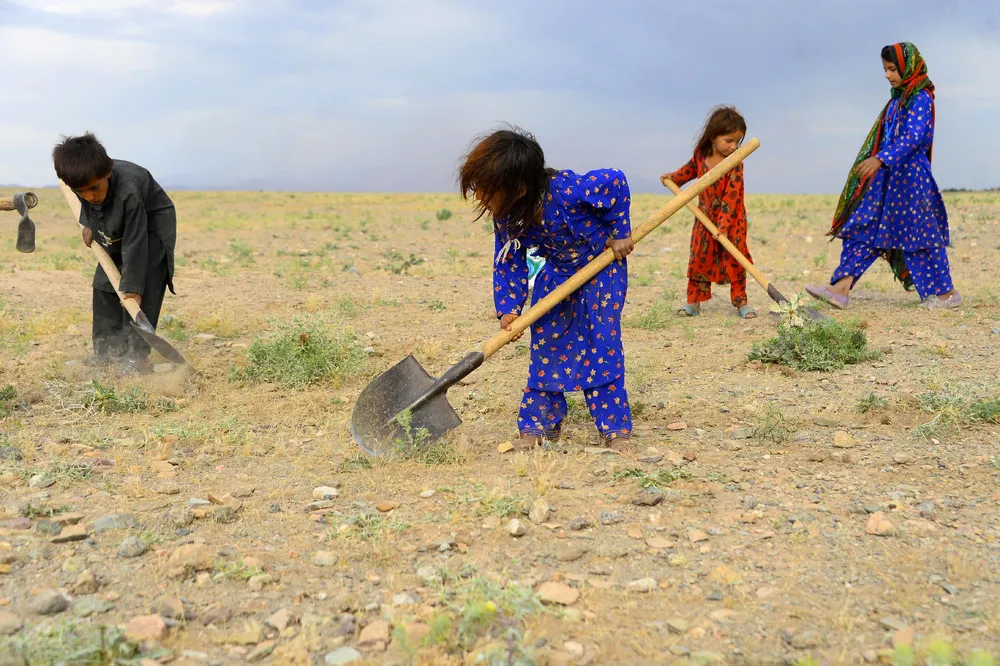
[(25, 228)]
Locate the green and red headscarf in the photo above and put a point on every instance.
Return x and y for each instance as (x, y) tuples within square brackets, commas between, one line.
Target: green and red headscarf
[(913, 71)]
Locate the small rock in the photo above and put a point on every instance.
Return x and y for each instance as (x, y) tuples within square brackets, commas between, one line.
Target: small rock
[(71, 533), (826, 422), (429, 575), (251, 634), (694, 536), (903, 637), (428, 493), (374, 632), (217, 615), (115, 521), (570, 553), (195, 557), (344, 655), (766, 592), (539, 512), (11, 453), (901, 458), (843, 440), (257, 583), (181, 516), (146, 627), (642, 585), (91, 605), (678, 626), (676, 560), (175, 609), (74, 565), (40, 481), (927, 510), (48, 602), (386, 507), (892, 623), (71, 518), (553, 592), (280, 619), (651, 460), (949, 588), (517, 528), (224, 514), (325, 493), (347, 627), (610, 517), (504, 447), (86, 583), (879, 526), (580, 523), (659, 543), (805, 640), (261, 651), (574, 648), (648, 497), (49, 527), (677, 425), (132, 546), (319, 505), (9, 623), (324, 558)]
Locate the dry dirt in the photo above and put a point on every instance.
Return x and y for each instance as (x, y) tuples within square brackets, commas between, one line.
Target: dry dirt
[(759, 550)]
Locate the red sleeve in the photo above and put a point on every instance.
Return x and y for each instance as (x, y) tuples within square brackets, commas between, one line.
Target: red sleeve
[(686, 173)]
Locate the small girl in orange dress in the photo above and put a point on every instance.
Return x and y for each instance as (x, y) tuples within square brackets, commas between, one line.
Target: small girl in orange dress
[(723, 204)]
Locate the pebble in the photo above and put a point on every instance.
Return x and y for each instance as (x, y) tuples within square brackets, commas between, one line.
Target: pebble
[(132, 546), (374, 632), (91, 605), (642, 585), (181, 516), (539, 512), (927, 510), (386, 507), (280, 619), (194, 655), (651, 460), (115, 521), (86, 583), (901, 458), (347, 627), (224, 514), (40, 481), (610, 518), (344, 655), (74, 565), (217, 615), (805, 640), (554, 592), (570, 553), (9, 623), (878, 525), (676, 560), (146, 627), (574, 648), (257, 583), (648, 497), (195, 556), (428, 493), (678, 626), (892, 623), (175, 609), (580, 523), (677, 425), (324, 558), (71, 533), (48, 602), (429, 575), (517, 528), (49, 527), (695, 536), (843, 440), (262, 651)]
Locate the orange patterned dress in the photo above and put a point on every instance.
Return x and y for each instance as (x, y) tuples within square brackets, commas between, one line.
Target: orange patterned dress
[(723, 203)]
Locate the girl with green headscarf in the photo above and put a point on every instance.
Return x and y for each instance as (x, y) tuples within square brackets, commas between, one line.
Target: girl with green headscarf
[(891, 206)]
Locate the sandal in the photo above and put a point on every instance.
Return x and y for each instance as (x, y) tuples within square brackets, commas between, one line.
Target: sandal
[(688, 311), (828, 296), (619, 444), (746, 312)]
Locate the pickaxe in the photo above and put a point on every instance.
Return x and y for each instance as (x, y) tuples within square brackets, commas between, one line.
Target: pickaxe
[(21, 202)]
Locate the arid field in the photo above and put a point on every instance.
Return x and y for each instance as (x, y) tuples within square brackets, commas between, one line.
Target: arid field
[(222, 514)]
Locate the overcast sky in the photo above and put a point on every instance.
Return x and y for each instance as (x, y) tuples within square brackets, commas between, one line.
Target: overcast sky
[(385, 95)]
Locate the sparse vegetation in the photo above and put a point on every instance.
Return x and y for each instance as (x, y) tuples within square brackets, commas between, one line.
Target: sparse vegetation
[(659, 478), (821, 346), (771, 426)]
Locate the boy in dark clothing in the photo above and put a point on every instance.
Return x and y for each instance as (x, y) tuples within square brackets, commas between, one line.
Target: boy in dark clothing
[(130, 215)]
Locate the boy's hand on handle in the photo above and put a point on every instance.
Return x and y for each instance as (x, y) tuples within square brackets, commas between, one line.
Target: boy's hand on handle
[(88, 236), (136, 297), (665, 177), (506, 321), (622, 247), (868, 167)]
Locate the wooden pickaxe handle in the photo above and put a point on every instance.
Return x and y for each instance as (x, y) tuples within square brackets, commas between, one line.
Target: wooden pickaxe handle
[(30, 200), (105, 260)]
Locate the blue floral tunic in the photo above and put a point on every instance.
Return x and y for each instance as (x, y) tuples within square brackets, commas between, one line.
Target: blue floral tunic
[(577, 345)]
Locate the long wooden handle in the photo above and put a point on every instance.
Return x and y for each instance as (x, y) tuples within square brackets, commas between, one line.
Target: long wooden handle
[(6, 203), (30, 200), (719, 236), (103, 258), (604, 259)]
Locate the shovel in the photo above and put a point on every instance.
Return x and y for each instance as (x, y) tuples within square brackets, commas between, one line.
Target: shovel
[(406, 405), (21, 202), (772, 291), (140, 322)]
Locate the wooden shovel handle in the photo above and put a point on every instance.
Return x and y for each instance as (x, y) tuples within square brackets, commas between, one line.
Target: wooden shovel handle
[(719, 236), (30, 200), (6, 203), (604, 259), (103, 258)]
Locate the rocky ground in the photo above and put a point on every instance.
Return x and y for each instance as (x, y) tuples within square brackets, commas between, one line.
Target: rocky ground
[(767, 516)]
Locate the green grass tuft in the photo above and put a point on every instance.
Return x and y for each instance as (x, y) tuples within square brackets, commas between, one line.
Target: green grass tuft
[(815, 346)]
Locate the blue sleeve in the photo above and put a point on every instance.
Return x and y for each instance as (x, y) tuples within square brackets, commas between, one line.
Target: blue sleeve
[(917, 132), (606, 192), (510, 273)]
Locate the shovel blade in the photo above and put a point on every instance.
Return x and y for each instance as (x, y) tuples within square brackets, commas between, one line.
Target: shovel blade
[(374, 423), (145, 329)]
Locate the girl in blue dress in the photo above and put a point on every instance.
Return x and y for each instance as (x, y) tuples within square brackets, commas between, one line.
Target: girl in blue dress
[(891, 205), (569, 219)]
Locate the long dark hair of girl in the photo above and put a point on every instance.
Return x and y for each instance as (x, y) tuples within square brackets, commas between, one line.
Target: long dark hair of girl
[(505, 171), (721, 120)]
